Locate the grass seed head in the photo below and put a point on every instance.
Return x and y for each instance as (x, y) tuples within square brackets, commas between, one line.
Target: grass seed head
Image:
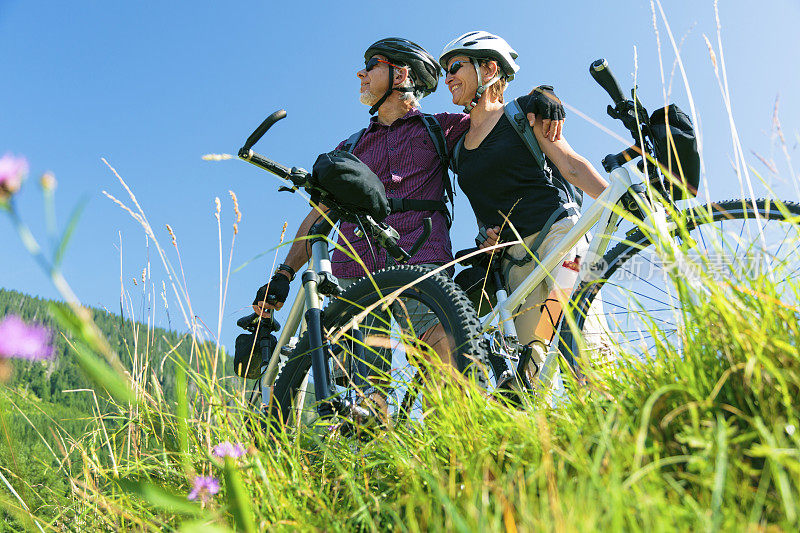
[(711, 53), (236, 210), (217, 157), (172, 234)]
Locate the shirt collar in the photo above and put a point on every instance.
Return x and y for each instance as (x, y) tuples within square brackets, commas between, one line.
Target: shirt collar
[(373, 121)]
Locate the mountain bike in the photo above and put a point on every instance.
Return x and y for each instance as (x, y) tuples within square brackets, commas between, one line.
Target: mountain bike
[(372, 318), (625, 298)]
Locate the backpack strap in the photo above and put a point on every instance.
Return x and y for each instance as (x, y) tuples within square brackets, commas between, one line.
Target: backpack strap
[(440, 144), (519, 121), (570, 208), (437, 136), (352, 141), (457, 154)]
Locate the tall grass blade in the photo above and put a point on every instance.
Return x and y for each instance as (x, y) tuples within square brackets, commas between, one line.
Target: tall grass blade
[(721, 466), (182, 414), (61, 247), (238, 499), (159, 497)]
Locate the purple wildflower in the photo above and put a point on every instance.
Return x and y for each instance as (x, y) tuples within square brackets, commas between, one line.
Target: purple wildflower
[(17, 339), (12, 170), (203, 488), (228, 449)]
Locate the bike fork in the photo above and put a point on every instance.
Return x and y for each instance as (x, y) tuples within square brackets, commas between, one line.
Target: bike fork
[(318, 363)]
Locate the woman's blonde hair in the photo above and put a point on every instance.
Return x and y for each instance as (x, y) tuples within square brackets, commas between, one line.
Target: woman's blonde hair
[(496, 90)]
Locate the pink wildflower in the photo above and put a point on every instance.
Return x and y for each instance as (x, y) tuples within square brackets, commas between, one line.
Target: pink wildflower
[(203, 488), (23, 341), (228, 449), (12, 170)]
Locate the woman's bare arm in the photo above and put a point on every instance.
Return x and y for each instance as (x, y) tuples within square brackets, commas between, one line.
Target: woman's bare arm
[(575, 168)]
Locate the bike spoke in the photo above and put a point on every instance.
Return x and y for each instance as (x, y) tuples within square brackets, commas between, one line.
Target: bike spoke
[(734, 248)]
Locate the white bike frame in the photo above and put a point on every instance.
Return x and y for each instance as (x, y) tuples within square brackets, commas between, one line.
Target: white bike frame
[(621, 181)]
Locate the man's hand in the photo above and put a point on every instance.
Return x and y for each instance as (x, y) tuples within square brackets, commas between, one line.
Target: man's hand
[(546, 105), (272, 295), (492, 236)]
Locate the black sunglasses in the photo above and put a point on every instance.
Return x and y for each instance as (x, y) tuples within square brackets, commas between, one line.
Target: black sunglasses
[(455, 67), (373, 62)]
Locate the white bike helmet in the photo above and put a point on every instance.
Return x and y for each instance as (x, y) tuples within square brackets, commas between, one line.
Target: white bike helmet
[(479, 45)]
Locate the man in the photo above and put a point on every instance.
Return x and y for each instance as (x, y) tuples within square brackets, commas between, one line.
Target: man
[(398, 148)]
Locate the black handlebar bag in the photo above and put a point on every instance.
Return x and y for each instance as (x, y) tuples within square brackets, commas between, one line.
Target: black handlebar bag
[(676, 146), (352, 184), (250, 353)]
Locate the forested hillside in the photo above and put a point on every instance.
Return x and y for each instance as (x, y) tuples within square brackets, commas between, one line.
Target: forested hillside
[(49, 380), (47, 405)]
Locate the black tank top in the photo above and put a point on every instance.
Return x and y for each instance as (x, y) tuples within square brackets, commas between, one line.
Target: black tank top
[(502, 175)]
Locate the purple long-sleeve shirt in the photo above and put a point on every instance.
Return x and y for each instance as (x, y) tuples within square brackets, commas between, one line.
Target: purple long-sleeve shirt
[(404, 158)]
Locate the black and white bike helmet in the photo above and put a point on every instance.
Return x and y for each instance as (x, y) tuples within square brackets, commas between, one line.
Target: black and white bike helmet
[(479, 45), (425, 71)]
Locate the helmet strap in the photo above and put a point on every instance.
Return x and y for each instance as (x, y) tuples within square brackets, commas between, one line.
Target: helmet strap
[(481, 86), (374, 109)]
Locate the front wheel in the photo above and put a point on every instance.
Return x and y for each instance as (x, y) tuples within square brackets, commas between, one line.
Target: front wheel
[(434, 304), (635, 304)]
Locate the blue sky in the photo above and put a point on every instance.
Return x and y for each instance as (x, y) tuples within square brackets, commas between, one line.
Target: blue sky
[(152, 86)]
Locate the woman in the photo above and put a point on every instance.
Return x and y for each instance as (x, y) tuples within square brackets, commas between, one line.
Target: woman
[(500, 176)]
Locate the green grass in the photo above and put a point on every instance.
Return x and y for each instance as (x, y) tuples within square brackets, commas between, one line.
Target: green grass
[(703, 440)]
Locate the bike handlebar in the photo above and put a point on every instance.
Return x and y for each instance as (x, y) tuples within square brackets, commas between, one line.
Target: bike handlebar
[(262, 129), (300, 177), (630, 112), (603, 76)]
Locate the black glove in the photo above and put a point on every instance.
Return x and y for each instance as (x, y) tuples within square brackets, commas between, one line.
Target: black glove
[(545, 104), (278, 291)]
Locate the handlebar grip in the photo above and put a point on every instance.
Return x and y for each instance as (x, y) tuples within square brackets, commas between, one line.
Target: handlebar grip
[(262, 128), (250, 323), (427, 225), (267, 164), (247, 321), (603, 76)]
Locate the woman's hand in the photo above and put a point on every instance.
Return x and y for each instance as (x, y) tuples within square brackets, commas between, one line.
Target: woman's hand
[(546, 106), (492, 236)]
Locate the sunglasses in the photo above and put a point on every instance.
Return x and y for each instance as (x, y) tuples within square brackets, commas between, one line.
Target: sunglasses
[(455, 67), (373, 62)]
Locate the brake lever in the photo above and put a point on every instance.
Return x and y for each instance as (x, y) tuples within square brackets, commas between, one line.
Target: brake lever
[(386, 237), (627, 111), (299, 177)]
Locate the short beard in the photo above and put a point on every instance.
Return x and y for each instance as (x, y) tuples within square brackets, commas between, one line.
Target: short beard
[(367, 98)]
